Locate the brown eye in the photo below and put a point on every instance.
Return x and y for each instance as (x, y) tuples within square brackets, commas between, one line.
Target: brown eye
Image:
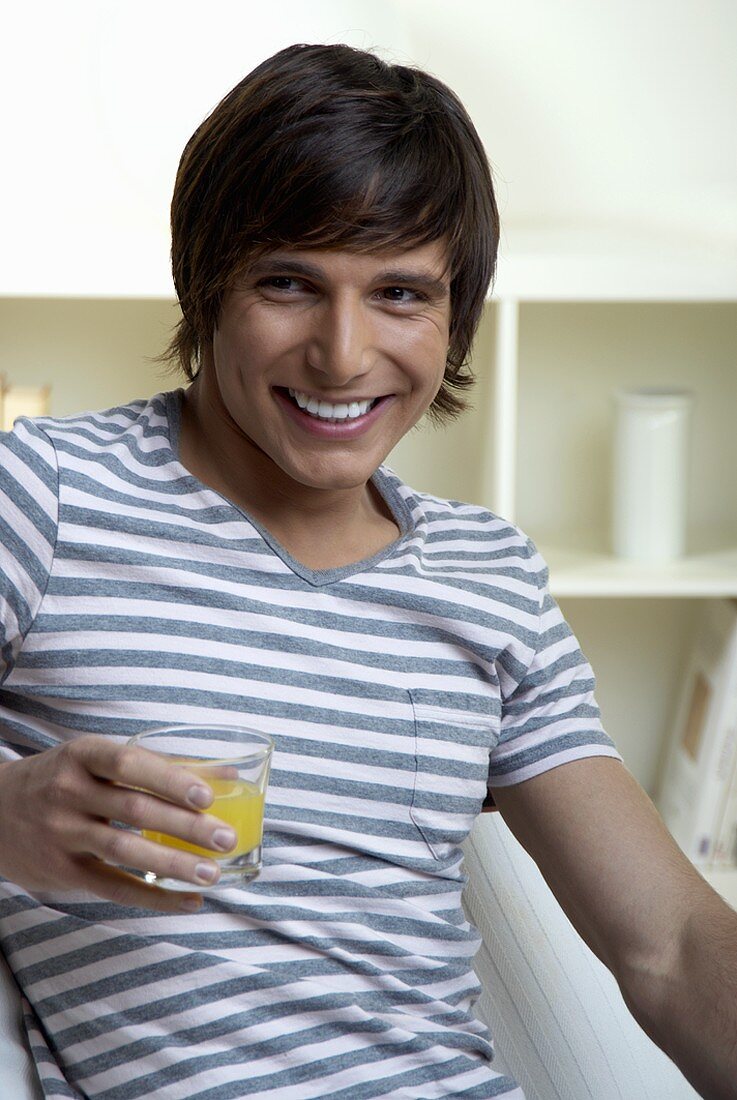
[(402, 295), (278, 282)]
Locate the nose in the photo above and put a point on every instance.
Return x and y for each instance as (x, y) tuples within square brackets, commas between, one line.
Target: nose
[(340, 345)]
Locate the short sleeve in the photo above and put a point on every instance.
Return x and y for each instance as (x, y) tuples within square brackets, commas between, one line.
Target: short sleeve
[(550, 717), (29, 507)]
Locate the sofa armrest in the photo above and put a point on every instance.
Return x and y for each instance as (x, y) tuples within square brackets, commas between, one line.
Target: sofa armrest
[(556, 1015), (18, 1076)]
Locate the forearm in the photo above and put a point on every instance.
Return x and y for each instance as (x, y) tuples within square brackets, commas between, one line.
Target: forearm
[(688, 1005), (630, 892)]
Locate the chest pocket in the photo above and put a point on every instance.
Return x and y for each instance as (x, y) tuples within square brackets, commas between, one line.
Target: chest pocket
[(452, 748)]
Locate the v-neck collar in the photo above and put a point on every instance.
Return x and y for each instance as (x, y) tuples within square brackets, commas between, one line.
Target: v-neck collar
[(383, 484)]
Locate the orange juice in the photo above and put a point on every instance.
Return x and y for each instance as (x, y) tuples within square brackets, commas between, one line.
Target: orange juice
[(239, 804)]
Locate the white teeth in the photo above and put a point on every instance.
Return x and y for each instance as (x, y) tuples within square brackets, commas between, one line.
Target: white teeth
[(325, 411)]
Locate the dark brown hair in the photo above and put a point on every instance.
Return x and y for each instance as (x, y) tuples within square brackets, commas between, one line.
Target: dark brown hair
[(324, 147)]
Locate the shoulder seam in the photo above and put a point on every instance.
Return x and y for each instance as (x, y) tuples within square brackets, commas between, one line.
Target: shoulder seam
[(531, 552), (56, 536)]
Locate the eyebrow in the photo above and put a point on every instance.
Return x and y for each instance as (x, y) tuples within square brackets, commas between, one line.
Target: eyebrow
[(434, 287)]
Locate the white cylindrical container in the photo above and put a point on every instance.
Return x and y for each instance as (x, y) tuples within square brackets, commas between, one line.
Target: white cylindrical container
[(651, 452)]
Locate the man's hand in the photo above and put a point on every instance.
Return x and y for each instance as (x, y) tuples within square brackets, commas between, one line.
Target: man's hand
[(55, 831)]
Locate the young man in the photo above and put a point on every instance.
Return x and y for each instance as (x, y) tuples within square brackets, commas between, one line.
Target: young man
[(237, 552)]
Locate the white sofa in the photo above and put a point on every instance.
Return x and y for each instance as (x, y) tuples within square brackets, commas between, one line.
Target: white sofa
[(559, 1022)]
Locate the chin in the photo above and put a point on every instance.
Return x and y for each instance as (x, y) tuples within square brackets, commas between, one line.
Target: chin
[(333, 479)]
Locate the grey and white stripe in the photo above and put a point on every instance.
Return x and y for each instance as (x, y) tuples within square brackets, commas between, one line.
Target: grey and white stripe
[(132, 595)]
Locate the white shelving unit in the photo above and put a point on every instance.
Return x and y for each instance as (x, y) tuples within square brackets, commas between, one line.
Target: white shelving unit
[(574, 318), (586, 567), (570, 320), (559, 268)]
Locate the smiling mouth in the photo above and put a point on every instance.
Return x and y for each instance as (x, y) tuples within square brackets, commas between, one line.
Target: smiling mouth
[(350, 410)]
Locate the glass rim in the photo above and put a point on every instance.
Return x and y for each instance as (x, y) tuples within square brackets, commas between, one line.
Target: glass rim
[(213, 761)]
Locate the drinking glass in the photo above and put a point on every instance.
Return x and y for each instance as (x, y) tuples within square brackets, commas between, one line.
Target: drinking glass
[(234, 761)]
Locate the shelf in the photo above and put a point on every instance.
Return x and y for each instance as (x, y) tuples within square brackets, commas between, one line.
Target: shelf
[(582, 565), (724, 881), (563, 265), (547, 265)]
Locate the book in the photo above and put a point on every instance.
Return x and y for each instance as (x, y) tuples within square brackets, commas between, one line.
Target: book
[(725, 846), (702, 754)]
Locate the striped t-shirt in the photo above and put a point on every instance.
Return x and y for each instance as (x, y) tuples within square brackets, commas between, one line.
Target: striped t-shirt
[(133, 596)]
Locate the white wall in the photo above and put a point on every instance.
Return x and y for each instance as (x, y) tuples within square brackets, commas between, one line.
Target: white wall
[(601, 112), (102, 97), (593, 112)]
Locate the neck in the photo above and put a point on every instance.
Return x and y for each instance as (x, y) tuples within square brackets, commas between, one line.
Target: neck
[(216, 451)]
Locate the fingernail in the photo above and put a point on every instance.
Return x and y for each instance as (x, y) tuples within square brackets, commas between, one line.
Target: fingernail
[(190, 905), (199, 796), (224, 839), (205, 872)]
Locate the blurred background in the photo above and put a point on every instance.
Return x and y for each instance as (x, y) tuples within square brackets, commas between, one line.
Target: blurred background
[(594, 113), (612, 133)]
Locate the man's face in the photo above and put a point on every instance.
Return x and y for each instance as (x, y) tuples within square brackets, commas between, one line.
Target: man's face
[(338, 327)]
